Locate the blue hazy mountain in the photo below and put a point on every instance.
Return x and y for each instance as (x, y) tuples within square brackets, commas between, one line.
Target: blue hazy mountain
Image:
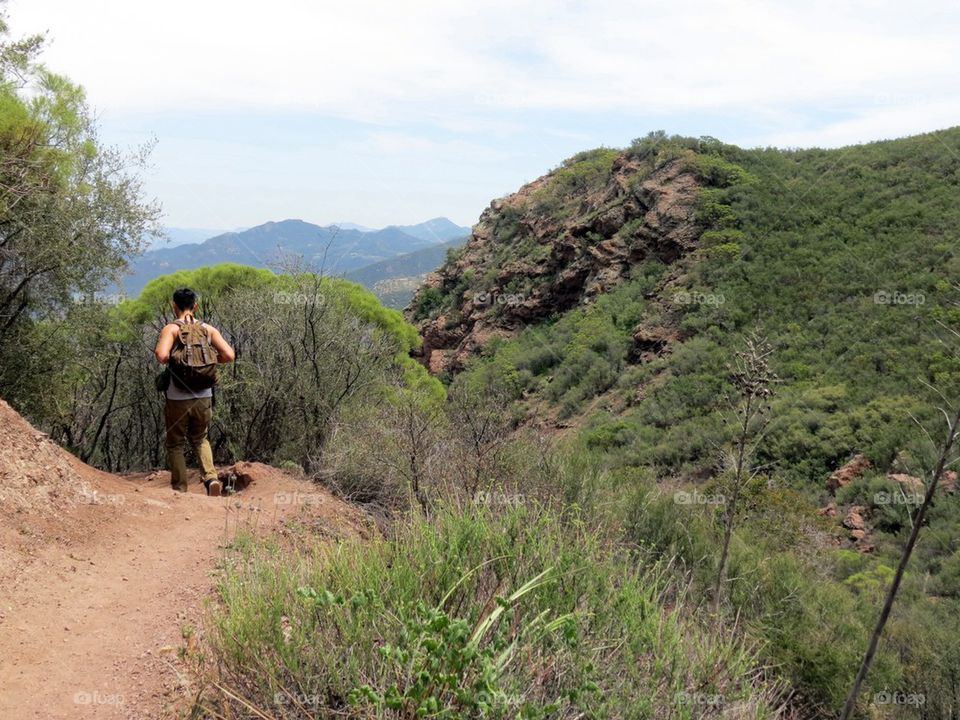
[(173, 236), (335, 250), (353, 226), (437, 230), (395, 280)]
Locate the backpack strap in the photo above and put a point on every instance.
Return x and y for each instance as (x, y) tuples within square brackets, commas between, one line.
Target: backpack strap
[(183, 323)]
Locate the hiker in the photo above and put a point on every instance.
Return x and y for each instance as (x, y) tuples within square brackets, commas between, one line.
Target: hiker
[(191, 350)]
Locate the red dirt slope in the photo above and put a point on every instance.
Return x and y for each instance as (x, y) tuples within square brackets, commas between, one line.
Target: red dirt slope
[(102, 576)]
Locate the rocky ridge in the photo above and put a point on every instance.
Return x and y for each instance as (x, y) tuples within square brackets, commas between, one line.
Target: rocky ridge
[(555, 244)]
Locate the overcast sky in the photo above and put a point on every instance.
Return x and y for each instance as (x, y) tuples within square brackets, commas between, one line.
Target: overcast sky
[(394, 112)]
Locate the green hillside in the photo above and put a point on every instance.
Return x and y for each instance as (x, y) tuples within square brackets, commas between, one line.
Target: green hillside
[(845, 261)]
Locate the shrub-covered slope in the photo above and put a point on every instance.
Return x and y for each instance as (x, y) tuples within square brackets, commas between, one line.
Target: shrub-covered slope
[(622, 336), (622, 280)]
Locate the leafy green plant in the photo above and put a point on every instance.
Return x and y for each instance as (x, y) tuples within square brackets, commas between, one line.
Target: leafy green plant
[(446, 668), (497, 612)]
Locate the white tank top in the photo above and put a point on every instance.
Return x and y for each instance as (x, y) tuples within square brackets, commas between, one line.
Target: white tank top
[(175, 393)]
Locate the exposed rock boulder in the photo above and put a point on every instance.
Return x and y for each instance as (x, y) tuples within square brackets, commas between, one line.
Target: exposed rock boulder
[(853, 469), (853, 520), (912, 485), (651, 342), (435, 362), (948, 483), (908, 483), (856, 523), (829, 510)]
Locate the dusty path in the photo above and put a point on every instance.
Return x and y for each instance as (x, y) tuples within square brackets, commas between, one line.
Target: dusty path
[(101, 596)]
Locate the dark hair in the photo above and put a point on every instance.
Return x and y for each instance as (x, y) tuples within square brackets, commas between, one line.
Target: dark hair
[(184, 298)]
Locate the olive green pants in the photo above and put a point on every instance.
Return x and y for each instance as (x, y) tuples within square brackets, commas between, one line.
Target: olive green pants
[(188, 420)]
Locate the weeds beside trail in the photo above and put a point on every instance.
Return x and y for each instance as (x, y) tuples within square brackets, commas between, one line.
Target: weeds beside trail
[(518, 613)]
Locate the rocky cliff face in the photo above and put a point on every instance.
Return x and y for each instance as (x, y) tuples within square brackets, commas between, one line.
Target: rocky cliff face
[(556, 243)]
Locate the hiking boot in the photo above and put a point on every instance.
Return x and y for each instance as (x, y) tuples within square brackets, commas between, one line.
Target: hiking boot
[(213, 488)]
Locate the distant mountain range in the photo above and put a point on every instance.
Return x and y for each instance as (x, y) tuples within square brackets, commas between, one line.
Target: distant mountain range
[(395, 280), (337, 250), (173, 236)]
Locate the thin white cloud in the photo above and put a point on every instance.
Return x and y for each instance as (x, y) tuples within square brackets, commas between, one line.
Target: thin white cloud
[(465, 100), (908, 116), (375, 60)]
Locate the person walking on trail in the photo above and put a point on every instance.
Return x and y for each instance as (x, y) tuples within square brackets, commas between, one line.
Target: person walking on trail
[(191, 350)]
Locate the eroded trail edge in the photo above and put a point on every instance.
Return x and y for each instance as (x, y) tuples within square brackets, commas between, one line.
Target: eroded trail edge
[(103, 579)]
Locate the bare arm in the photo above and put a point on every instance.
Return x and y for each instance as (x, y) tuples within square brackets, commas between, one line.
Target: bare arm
[(165, 343), (225, 353)]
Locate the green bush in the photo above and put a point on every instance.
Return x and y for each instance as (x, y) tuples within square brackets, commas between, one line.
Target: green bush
[(427, 301), (513, 614), (667, 530), (813, 630)]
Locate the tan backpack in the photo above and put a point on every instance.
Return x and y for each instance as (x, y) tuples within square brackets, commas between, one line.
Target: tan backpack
[(193, 360)]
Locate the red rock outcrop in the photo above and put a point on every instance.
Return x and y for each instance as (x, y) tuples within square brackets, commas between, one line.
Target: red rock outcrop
[(528, 260), (859, 532), (948, 483), (853, 469), (829, 510), (909, 483)]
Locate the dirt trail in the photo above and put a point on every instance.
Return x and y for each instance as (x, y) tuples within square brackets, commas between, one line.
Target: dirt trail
[(98, 586)]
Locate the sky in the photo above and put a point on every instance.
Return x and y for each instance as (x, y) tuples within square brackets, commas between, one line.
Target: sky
[(385, 113)]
